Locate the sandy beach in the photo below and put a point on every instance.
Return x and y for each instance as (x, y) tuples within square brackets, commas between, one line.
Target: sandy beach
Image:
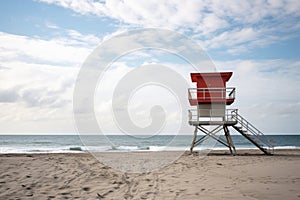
[(249, 175)]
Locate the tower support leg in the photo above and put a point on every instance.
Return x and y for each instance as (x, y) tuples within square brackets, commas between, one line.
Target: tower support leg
[(194, 139), (229, 140)]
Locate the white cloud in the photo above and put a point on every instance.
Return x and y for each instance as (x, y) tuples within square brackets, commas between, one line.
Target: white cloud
[(232, 38), (36, 94), (52, 26), (37, 75), (267, 92), (143, 97), (37, 79), (57, 50), (86, 40), (171, 14), (82, 7), (38, 97), (211, 23), (236, 25)]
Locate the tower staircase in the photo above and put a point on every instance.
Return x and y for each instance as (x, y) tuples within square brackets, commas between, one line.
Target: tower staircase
[(250, 132)]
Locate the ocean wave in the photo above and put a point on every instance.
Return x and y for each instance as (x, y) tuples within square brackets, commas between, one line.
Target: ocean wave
[(286, 147), (75, 149), (34, 149), (82, 149)]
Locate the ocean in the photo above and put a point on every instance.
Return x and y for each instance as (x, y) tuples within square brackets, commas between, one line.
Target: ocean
[(124, 143)]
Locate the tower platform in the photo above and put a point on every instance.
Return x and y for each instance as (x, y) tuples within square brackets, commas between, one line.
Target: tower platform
[(211, 118)]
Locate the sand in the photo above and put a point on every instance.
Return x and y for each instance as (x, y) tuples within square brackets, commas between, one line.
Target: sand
[(217, 176)]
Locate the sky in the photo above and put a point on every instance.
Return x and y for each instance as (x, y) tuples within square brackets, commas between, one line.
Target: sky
[(44, 43)]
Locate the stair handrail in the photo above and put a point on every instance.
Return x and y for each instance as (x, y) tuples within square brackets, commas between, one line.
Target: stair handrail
[(252, 129), (232, 92)]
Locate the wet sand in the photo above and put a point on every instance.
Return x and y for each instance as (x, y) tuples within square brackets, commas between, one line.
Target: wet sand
[(249, 175)]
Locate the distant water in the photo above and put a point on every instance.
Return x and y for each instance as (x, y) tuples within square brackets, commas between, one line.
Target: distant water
[(123, 143)]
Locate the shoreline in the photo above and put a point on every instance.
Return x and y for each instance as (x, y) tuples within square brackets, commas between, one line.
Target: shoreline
[(222, 151), (248, 175)]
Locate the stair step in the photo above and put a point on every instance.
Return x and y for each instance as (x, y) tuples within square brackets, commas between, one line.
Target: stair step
[(254, 135)]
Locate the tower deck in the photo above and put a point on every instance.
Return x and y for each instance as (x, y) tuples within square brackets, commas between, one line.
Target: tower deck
[(227, 119)]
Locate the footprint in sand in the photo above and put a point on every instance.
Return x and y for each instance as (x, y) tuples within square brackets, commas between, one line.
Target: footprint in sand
[(86, 188)]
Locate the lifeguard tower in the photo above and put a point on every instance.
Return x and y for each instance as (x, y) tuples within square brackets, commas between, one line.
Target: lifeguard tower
[(210, 115)]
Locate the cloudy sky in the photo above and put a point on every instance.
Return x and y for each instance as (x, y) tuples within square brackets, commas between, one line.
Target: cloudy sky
[(43, 44)]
